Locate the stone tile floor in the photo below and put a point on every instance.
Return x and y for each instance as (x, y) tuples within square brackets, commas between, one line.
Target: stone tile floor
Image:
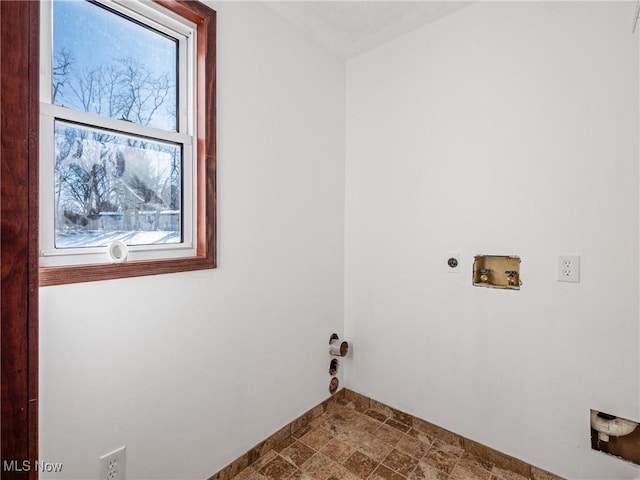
[(349, 442)]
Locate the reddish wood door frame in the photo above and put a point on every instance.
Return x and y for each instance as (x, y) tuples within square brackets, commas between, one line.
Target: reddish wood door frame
[(19, 57)]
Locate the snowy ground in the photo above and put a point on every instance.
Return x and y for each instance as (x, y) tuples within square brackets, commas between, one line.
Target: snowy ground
[(101, 239)]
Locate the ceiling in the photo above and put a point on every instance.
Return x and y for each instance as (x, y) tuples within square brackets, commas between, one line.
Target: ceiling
[(348, 28)]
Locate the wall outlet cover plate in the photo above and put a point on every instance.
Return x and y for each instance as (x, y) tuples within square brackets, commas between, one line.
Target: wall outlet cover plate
[(113, 465), (569, 268)]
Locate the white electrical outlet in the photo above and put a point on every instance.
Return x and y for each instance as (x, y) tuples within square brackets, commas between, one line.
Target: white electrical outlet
[(569, 268), (112, 465), (453, 263)]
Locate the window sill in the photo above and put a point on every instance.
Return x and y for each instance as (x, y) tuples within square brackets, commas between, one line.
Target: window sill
[(90, 273)]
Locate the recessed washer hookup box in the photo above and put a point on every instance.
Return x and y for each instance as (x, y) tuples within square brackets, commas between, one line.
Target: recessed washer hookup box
[(497, 271)]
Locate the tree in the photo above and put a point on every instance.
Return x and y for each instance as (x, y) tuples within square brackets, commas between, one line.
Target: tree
[(97, 172), (61, 69)]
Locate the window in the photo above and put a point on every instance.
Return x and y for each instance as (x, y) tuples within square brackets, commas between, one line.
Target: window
[(127, 139)]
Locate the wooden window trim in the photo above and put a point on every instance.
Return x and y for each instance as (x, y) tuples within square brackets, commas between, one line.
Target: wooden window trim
[(205, 164), (19, 218)]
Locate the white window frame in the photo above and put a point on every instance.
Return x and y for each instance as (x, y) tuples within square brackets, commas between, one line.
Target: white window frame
[(185, 32)]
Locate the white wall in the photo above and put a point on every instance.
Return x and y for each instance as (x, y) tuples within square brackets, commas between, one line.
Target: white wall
[(506, 128), (538, 101), (191, 370)]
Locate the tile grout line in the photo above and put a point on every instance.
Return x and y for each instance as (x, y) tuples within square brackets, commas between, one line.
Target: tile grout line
[(359, 405)]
